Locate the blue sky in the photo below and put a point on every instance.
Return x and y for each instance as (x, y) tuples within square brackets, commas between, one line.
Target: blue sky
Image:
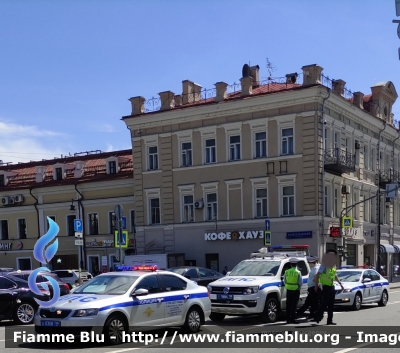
[(68, 68)]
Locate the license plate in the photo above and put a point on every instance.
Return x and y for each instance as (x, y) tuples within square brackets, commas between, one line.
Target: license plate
[(225, 296), (50, 323)]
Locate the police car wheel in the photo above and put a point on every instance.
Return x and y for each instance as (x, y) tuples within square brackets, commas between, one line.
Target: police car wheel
[(270, 313), (357, 302), (113, 329), (384, 299), (217, 316), (24, 313), (193, 320)]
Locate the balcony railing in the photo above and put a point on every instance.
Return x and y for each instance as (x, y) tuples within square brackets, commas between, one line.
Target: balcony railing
[(339, 161), (388, 176)]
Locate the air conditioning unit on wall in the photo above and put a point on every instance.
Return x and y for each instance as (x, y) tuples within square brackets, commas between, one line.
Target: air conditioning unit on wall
[(199, 204), (345, 189), (11, 200), (5, 200), (19, 198)]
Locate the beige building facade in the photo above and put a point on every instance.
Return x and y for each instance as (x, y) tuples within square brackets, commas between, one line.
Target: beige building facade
[(87, 187), (210, 166)]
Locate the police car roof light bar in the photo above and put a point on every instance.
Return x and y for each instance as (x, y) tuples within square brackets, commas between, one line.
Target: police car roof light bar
[(274, 247), (285, 254)]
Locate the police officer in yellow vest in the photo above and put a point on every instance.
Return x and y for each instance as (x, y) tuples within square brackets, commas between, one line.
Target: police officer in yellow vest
[(293, 282), (326, 276)]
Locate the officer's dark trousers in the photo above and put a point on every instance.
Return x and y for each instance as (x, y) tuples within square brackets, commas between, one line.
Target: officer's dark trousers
[(292, 298), (328, 300), (311, 300)]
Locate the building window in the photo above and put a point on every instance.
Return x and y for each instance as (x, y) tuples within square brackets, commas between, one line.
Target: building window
[(261, 203), (186, 154), (133, 224), (53, 218), (372, 204), (366, 158), (112, 222), (287, 141), (337, 140), (59, 174), (288, 201), (367, 210), (4, 230), (260, 144), (211, 209), (210, 152), (93, 224), (326, 201), (153, 158), (70, 225), (2, 180), (155, 211), (336, 203), (348, 145), (234, 148), (372, 158), (22, 228), (112, 166), (188, 208), (355, 200)]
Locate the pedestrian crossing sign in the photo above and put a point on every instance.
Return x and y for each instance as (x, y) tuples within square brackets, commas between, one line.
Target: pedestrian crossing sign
[(267, 238), (347, 222)]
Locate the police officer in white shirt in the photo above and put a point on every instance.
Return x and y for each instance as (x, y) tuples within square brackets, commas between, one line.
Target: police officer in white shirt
[(312, 299)]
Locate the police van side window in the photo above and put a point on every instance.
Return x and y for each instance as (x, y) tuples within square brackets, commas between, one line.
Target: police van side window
[(171, 283), (302, 267), (150, 283), (285, 268)]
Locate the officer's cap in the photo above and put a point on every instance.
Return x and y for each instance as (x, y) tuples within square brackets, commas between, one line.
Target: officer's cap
[(311, 259), (293, 260)]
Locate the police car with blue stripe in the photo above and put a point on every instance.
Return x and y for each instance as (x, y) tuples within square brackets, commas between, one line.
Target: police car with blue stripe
[(116, 302), (361, 286), (255, 286)]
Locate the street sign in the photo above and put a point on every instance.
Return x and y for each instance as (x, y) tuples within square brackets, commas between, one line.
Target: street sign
[(267, 238), (299, 235), (335, 232), (347, 222), (123, 219), (78, 235), (119, 211), (79, 242), (267, 224), (124, 239), (392, 190), (78, 225)]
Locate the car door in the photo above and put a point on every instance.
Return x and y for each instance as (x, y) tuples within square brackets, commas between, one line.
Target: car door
[(283, 289), (148, 310), (376, 290), (368, 286), (302, 267), (206, 276), (6, 300), (176, 298)]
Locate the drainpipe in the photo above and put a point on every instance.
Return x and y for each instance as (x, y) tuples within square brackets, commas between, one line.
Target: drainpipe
[(37, 211), (323, 123), (83, 248), (378, 201)]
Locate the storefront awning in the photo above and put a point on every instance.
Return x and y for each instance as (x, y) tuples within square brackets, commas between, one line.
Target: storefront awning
[(396, 248), (387, 248)]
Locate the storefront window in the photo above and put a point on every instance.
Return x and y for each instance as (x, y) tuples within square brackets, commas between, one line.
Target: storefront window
[(351, 255)]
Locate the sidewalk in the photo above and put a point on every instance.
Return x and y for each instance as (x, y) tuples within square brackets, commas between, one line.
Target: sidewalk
[(394, 285)]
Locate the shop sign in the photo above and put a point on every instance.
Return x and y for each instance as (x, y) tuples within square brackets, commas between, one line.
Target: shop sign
[(104, 261), (299, 235), (20, 246), (5, 246), (250, 234), (100, 244), (348, 232)]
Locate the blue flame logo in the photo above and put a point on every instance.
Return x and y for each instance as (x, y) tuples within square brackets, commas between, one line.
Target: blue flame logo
[(44, 256)]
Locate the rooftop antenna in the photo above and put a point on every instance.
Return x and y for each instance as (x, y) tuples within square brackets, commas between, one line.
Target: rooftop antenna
[(271, 68)]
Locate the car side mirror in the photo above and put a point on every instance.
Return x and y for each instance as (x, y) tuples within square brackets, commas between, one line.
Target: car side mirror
[(282, 278), (366, 280), (139, 292)]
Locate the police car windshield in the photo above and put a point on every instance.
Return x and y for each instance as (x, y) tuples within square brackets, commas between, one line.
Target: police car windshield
[(179, 271), (107, 285), (256, 268), (349, 276)]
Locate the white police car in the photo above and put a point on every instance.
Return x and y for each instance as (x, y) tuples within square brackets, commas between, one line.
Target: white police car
[(117, 301), (361, 286), (255, 286)]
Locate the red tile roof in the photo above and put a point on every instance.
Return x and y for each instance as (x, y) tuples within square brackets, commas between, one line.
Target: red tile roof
[(94, 170)]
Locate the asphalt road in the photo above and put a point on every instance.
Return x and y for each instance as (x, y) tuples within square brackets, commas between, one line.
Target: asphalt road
[(370, 315)]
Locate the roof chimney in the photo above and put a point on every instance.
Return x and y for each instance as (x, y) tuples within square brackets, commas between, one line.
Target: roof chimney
[(338, 87), (292, 78), (311, 74), (178, 100), (358, 99), (79, 169), (246, 81), (40, 173), (167, 100), (255, 74), (137, 105), (221, 88), (191, 92)]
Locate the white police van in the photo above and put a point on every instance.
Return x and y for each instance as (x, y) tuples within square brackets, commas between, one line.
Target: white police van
[(117, 302), (255, 286)]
